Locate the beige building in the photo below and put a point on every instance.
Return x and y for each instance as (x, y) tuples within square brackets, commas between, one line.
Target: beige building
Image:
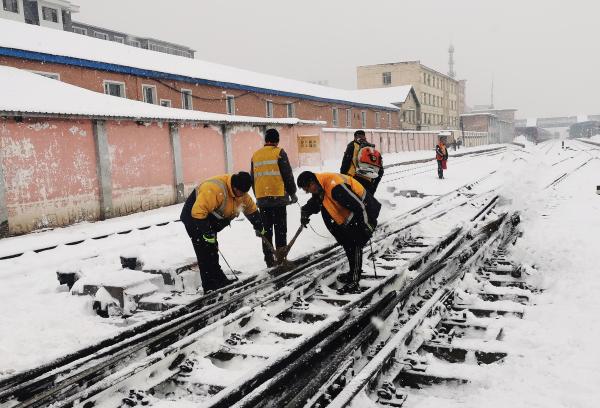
[(441, 98)]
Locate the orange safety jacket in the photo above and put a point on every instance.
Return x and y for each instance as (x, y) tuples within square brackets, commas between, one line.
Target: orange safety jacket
[(441, 152), (340, 214)]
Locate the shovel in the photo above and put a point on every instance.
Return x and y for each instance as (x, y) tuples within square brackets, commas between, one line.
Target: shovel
[(280, 254)]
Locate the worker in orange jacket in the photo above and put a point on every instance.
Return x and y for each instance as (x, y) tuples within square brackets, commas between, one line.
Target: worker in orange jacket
[(350, 213), (210, 208), (441, 155)]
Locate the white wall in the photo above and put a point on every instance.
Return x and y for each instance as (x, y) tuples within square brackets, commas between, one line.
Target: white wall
[(50, 24), (13, 16)]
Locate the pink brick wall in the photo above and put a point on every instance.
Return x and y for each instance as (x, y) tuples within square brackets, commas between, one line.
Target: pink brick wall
[(49, 171)]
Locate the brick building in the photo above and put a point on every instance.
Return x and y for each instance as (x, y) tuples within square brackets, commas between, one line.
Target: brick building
[(442, 98), (498, 128), (168, 80)]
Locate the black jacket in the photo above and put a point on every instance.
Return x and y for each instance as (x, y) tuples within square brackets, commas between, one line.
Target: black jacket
[(349, 155), (288, 182), (365, 210)]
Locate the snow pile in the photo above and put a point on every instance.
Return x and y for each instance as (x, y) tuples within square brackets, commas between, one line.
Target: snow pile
[(553, 360)]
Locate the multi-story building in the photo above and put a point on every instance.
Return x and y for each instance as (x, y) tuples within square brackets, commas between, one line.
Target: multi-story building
[(498, 123), (135, 41), (47, 13), (441, 97), (57, 14)]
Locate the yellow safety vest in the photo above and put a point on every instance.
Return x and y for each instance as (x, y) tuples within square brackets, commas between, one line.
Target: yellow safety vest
[(267, 177), (352, 169), (215, 196), (341, 215)]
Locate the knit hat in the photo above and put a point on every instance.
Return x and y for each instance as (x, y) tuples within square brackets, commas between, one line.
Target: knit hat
[(360, 133), (272, 136), (305, 178), (242, 181)]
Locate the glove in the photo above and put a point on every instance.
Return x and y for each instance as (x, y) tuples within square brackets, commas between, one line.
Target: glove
[(260, 232), (293, 199), (304, 219), (210, 238)]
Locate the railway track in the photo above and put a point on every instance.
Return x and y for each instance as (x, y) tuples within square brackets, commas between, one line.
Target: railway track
[(118, 233), (62, 381)]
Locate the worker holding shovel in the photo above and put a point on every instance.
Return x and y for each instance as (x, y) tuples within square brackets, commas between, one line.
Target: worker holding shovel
[(274, 188), (350, 213)]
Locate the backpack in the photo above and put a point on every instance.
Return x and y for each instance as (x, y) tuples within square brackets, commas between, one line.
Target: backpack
[(368, 162)]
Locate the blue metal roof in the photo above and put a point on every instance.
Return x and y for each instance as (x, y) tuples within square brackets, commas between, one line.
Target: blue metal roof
[(122, 69)]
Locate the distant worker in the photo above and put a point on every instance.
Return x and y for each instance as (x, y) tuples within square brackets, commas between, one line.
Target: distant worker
[(210, 208), (441, 155), (350, 213), (363, 162), (274, 188)]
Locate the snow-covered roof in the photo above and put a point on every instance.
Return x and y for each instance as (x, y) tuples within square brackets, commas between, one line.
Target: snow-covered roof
[(531, 122), (477, 114), (28, 93), (390, 95), (26, 41)]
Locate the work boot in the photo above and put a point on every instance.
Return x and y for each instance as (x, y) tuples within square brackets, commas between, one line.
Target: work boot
[(351, 288)]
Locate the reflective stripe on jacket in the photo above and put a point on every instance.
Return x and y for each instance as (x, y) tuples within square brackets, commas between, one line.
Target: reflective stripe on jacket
[(441, 153), (215, 196), (338, 213), (267, 176)]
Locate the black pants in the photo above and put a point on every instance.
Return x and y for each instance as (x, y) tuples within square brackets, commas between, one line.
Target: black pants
[(274, 218), (352, 238), (211, 274), (366, 183), (440, 169)]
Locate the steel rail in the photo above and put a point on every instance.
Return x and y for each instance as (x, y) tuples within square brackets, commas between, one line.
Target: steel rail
[(187, 318)]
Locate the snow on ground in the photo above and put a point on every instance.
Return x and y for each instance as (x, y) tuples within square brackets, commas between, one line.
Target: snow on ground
[(34, 303), (554, 360)]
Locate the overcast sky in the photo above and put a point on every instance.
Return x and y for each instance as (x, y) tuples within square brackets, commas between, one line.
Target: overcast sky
[(543, 55)]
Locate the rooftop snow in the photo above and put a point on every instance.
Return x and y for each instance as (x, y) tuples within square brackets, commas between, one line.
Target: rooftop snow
[(31, 38), (394, 94), (58, 98)]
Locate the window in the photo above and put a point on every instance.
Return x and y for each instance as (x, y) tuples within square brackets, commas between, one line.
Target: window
[(291, 110), (114, 88), (165, 102), (119, 39), (134, 43), (387, 78), (363, 119), (377, 119), (50, 14), (335, 122), (230, 104), (389, 117), (348, 117), (11, 6), (186, 99), (80, 30), (101, 36), (269, 108), (149, 93)]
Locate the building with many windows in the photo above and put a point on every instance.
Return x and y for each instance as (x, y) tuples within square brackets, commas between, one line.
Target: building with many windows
[(441, 97), (57, 14), (47, 13), (135, 41)]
